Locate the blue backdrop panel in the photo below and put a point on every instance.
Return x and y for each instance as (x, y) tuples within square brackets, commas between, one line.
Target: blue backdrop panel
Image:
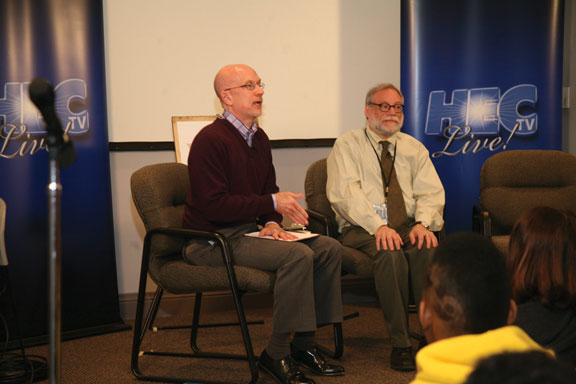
[(61, 41), (480, 77)]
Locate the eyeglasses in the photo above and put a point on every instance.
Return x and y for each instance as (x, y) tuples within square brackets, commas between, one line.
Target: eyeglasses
[(385, 107), (249, 86)]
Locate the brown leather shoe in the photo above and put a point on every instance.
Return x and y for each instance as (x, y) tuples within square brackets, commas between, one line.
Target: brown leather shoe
[(284, 371), (402, 359)]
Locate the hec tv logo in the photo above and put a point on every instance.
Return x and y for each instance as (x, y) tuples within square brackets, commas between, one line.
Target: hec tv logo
[(483, 111), (18, 115)]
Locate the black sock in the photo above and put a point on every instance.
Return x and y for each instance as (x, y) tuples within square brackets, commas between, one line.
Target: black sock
[(303, 340), (279, 345)]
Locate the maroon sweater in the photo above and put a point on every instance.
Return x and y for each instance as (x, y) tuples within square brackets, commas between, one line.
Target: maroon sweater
[(231, 183)]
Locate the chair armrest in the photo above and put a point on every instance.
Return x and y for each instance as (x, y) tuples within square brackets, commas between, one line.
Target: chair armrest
[(190, 234), (322, 224), (481, 221), (486, 224)]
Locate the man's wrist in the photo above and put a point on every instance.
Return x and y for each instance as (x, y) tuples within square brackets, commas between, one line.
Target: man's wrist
[(422, 223)]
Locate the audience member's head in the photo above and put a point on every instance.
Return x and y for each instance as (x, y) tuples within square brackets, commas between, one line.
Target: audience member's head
[(542, 257), (467, 289), (522, 368)]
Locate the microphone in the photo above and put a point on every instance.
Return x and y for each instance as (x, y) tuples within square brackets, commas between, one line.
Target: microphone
[(43, 96)]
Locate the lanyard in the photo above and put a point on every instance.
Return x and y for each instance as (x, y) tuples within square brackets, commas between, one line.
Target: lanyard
[(385, 180)]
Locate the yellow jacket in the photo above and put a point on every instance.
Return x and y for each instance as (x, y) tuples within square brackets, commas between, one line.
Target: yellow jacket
[(451, 360)]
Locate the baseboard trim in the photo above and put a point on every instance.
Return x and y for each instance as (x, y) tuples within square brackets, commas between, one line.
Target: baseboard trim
[(173, 305), (353, 290)]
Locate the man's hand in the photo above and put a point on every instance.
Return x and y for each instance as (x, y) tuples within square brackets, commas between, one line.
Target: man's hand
[(387, 239), (286, 204), (420, 236), (274, 230)]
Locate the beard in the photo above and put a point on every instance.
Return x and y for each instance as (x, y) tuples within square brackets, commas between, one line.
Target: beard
[(386, 126)]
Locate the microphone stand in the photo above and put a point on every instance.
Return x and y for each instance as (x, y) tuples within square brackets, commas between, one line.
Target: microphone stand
[(54, 193), (60, 154)]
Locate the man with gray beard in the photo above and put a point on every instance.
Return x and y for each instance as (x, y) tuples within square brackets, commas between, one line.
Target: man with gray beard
[(388, 199)]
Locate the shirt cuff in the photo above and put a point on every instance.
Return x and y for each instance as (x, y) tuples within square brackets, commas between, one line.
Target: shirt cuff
[(373, 224)]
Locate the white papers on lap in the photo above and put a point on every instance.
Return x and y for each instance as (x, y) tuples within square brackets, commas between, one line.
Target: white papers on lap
[(299, 236)]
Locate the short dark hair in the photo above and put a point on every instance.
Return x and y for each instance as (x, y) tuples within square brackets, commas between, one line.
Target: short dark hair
[(469, 282), (534, 367), (542, 257)]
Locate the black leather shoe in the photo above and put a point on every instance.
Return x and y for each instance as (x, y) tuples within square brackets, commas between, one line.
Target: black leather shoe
[(283, 371), (402, 359), (312, 359)]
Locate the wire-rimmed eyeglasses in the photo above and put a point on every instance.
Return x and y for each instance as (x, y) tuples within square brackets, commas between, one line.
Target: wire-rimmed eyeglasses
[(249, 86)]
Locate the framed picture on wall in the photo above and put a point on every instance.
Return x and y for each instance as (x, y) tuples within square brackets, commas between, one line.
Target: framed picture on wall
[(185, 129)]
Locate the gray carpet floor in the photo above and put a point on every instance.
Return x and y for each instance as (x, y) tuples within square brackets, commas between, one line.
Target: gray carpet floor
[(106, 358)]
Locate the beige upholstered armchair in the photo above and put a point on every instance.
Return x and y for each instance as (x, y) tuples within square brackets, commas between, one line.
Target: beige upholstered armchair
[(512, 182), (159, 194)]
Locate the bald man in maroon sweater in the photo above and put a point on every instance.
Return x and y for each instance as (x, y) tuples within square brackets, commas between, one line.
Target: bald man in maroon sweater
[(234, 192)]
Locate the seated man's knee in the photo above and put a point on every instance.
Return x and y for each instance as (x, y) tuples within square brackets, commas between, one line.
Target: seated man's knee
[(390, 258), (302, 254), (328, 248), (332, 245)]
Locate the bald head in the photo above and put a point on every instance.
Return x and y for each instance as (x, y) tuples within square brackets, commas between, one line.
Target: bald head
[(231, 76)]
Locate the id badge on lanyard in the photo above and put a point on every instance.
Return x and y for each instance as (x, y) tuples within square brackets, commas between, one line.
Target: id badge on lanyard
[(382, 211)]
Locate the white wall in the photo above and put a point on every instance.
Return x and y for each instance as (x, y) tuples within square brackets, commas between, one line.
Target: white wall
[(317, 59)]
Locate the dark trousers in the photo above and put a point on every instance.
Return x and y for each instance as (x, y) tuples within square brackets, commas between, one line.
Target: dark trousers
[(307, 288), (392, 272)]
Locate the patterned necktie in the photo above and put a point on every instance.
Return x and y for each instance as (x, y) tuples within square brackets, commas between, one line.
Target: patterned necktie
[(397, 217)]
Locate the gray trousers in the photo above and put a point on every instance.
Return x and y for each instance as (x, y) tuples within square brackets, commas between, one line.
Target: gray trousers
[(307, 289), (392, 272)]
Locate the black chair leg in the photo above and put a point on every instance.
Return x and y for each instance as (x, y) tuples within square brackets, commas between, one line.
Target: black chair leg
[(338, 350), (195, 323), (153, 311), (338, 341)]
